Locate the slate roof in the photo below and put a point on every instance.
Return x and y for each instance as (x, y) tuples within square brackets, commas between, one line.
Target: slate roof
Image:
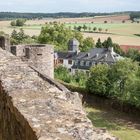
[(95, 56), (66, 55)]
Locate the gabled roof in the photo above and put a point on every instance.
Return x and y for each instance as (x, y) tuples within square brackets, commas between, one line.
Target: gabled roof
[(96, 55), (66, 55)]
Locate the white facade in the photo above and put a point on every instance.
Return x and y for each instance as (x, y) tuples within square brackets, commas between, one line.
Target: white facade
[(68, 63)]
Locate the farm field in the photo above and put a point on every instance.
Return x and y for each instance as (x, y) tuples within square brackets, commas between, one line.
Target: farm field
[(121, 33)]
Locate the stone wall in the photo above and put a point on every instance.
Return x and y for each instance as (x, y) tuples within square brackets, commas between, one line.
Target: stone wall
[(40, 56), (5, 42), (13, 126), (32, 108)]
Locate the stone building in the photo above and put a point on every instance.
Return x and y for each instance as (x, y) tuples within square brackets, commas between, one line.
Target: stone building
[(67, 58), (38, 56), (75, 61), (85, 60)]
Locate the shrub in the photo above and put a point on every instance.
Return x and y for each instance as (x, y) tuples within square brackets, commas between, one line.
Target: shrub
[(18, 22)]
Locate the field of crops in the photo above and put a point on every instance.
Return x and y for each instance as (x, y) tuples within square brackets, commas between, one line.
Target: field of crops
[(121, 33)]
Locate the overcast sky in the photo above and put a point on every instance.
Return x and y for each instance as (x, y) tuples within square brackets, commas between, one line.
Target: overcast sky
[(53, 6)]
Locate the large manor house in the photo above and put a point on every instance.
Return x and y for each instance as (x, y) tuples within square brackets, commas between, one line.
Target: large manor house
[(76, 61)]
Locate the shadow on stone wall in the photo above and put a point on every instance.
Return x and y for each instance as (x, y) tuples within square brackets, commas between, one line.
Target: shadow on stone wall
[(13, 126)]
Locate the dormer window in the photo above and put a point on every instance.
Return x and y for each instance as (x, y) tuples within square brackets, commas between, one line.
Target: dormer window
[(97, 55), (88, 54)]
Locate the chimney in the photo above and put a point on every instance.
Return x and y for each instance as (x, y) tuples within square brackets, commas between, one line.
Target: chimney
[(97, 54), (111, 49)]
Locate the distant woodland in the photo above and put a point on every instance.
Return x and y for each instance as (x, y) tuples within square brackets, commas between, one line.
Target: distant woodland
[(14, 15)]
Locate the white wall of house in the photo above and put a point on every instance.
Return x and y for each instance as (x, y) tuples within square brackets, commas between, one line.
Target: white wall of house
[(66, 63)]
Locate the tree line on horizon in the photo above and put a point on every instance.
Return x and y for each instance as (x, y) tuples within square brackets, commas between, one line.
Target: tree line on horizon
[(14, 15)]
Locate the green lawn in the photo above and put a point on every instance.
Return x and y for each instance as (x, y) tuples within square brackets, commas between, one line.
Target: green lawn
[(118, 124)]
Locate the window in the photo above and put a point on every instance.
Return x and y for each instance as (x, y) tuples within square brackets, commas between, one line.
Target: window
[(82, 63), (76, 62), (93, 63), (87, 63), (61, 61), (70, 62)]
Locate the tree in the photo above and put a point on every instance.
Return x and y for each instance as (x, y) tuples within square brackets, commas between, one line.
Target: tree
[(98, 81), (89, 28), (13, 23), (75, 28), (88, 43), (117, 49), (58, 35), (99, 29), (18, 22), (133, 54), (120, 75), (20, 38), (99, 43), (84, 27), (108, 43), (106, 30), (79, 28), (95, 29)]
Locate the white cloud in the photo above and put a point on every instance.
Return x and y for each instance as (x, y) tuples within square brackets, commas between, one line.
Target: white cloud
[(69, 5)]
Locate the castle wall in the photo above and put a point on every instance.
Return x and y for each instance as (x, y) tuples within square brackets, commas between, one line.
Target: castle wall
[(39, 56), (5, 43), (42, 57), (33, 109), (13, 126)]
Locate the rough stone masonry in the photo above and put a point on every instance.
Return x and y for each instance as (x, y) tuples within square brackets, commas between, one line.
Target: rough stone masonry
[(33, 109)]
